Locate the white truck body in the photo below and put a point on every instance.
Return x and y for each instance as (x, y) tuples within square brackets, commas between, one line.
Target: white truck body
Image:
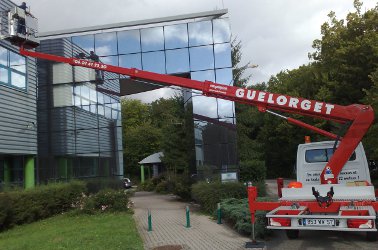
[(312, 158)]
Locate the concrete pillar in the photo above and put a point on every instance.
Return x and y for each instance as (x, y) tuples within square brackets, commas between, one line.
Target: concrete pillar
[(29, 178)]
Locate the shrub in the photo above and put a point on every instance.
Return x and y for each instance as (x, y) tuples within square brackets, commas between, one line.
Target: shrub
[(105, 200), (209, 194), (19, 207), (162, 187), (252, 170), (236, 211), (146, 186)]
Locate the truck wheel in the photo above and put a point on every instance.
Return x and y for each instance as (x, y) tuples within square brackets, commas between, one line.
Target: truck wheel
[(371, 236), (292, 234)]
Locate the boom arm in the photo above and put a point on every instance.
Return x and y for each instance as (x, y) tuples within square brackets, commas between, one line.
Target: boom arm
[(360, 116)]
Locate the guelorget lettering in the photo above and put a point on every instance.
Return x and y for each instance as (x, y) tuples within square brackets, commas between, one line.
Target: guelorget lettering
[(282, 100)]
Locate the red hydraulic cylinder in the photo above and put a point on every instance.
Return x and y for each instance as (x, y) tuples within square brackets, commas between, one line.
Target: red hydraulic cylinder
[(252, 195), (280, 184)]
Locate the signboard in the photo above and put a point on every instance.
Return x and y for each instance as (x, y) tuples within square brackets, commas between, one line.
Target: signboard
[(229, 177)]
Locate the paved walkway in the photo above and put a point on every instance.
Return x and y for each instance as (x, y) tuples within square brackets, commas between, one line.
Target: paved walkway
[(168, 226)]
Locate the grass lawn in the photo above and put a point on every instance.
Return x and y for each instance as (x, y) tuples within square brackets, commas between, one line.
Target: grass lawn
[(68, 231)]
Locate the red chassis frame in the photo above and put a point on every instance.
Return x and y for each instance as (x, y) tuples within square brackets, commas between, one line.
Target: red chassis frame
[(313, 206)]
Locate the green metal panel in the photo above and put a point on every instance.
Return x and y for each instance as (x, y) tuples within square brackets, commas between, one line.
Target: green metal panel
[(29, 172), (141, 173), (7, 172), (62, 168)]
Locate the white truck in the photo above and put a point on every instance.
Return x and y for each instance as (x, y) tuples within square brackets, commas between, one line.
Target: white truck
[(354, 190)]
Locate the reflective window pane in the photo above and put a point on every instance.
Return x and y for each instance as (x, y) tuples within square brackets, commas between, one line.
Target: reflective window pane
[(222, 55), (112, 60), (200, 33), (225, 108), (224, 76), (152, 39), (106, 44), (3, 56), (84, 42), (85, 92), (201, 58), (100, 109), (177, 61), (221, 30), (4, 75), (128, 41), (206, 75), (92, 95), (18, 80), (176, 36), (17, 62), (154, 61), (131, 61), (206, 106)]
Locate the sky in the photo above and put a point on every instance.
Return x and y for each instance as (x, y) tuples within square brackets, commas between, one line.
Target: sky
[(275, 34)]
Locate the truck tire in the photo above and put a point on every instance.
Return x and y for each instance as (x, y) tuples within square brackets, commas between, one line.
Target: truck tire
[(292, 234), (371, 236)]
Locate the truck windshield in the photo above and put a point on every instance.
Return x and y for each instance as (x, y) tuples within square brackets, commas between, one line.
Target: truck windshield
[(322, 155)]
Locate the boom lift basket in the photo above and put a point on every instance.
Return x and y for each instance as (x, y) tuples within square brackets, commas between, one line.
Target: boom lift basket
[(19, 28)]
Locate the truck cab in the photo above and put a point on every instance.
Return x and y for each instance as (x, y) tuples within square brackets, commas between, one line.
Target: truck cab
[(312, 158)]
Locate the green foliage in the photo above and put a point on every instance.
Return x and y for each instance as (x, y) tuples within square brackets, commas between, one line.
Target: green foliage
[(107, 200), (26, 206), (252, 170), (164, 125), (209, 194), (343, 70), (236, 211), (76, 231)]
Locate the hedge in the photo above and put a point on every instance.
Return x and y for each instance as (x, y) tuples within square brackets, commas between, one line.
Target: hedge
[(209, 194), (236, 212), (26, 206)]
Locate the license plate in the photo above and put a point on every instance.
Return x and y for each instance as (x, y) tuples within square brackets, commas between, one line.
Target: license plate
[(319, 222)]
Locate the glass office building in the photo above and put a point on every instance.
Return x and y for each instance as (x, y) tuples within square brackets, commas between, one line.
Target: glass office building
[(79, 126)]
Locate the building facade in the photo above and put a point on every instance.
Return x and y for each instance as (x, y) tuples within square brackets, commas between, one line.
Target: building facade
[(79, 123), (18, 113)]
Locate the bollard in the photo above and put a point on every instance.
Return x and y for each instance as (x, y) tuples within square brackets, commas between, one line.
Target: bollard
[(219, 213), (187, 217), (149, 221)]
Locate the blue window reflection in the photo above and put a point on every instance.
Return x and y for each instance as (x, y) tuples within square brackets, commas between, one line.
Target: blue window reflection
[(154, 61), (129, 41), (4, 77), (176, 36), (222, 55), (106, 44), (200, 33), (224, 76), (206, 106), (225, 108), (17, 62), (112, 60), (131, 61), (221, 31), (152, 39), (206, 75), (201, 58), (84, 42), (177, 61)]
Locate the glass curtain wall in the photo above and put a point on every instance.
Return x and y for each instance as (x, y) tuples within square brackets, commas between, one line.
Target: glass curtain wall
[(199, 49)]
